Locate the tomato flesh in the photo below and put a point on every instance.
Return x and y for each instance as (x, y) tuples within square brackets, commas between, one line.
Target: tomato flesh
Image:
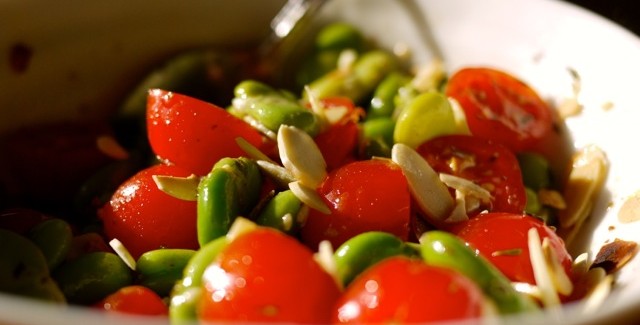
[(486, 163), (192, 133), (362, 196), (144, 218), (399, 290), (500, 107), (502, 238), (267, 276)]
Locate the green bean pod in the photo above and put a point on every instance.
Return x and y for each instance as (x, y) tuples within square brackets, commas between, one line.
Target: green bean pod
[(282, 213), (24, 270), (444, 249), (339, 36), (187, 291), (92, 277), (366, 249), (160, 269), (229, 190), (383, 101), (53, 237)]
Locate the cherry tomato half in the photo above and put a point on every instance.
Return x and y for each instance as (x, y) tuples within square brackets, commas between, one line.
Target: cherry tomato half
[(399, 290), (503, 239), (192, 133), (362, 196), (134, 299), (144, 218), (500, 107), (485, 162), (267, 276), (339, 142)]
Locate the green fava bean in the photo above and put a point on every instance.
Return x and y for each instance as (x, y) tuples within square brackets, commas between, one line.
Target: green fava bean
[(24, 270), (229, 190), (383, 101), (379, 128), (536, 173), (252, 88), (273, 111), (186, 292), (366, 249), (92, 277), (339, 36), (53, 237), (427, 116), (444, 249), (281, 212), (160, 269)]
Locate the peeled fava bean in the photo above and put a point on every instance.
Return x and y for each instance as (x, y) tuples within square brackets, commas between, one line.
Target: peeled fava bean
[(427, 116), (92, 277), (24, 269), (159, 269), (54, 238), (282, 212), (366, 249)]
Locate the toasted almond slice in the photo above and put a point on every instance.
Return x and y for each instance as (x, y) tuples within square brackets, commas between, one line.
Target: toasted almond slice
[(559, 277), (429, 76), (123, 253), (277, 173), (309, 197), (459, 212), (431, 194), (324, 257), (543, 277), (301, 156), (596, 297), (240, 226), (586, 179), (466, 187), (252, 151), (183, 188)]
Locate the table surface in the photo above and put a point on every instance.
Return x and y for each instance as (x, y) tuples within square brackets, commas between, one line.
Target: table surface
[(622, 12)]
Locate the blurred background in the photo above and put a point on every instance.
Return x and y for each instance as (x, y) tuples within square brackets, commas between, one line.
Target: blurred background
[(623, 12)]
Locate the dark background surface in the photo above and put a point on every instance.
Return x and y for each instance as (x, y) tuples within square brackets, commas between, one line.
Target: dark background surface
[(623, 12)]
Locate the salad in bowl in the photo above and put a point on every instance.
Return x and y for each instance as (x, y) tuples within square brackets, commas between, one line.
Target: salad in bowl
[(456, 166)]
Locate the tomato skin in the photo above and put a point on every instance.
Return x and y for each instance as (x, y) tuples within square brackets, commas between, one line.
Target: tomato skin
[(339, 142), (496, 232), (134, 299), (500, 107), (267, 276), (192, 133), (485, 162), (400, 290), (144, 218), (362, 196)]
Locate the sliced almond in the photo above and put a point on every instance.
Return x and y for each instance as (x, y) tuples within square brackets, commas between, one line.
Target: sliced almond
[(279, 174), (543, 277), (251, 150), (240, 226), (559, 277), (466, 187), (596, 297), (429, 76), (309, 197), (183, 188), (459, 212), (586, 179), (123, 253), (430, 193), (301, 156)]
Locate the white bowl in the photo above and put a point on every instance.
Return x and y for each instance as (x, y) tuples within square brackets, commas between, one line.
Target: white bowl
[(87, 54)]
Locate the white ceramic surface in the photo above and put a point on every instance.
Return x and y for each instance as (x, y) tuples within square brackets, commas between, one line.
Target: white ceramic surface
[(86, 53)]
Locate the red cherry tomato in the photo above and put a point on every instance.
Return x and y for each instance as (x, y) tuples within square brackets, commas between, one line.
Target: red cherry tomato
[(362, 196), (192, 133), (399, 290), (500, 107), (485, 162), (267, 276), (144, 218), (503, 239), (134, 299), (339, 142)]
